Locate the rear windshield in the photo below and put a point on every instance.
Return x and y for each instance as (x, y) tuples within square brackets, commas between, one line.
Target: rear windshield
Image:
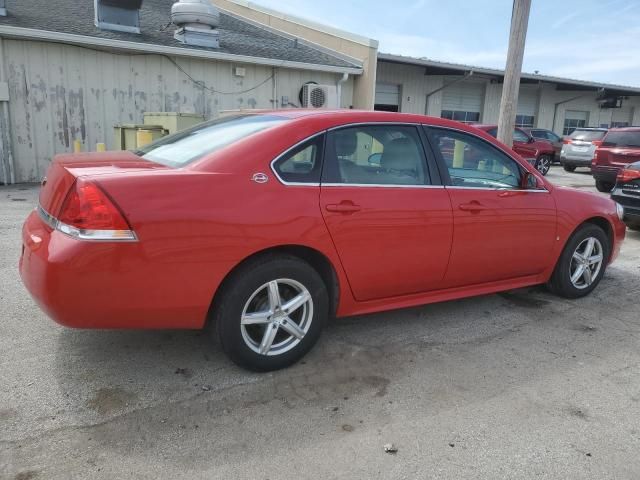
[(622, 139), (184, 147), (587, 135)]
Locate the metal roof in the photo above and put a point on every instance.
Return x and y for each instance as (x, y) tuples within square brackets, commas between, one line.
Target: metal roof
[(66, 20), (452, 68)]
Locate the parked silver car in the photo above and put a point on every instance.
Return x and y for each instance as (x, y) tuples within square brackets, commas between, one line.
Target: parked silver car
[(579, 147)]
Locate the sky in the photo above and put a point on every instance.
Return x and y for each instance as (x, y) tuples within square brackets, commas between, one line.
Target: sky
[(581, 39)]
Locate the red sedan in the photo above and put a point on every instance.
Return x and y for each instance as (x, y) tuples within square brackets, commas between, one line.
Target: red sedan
[(266, 224)]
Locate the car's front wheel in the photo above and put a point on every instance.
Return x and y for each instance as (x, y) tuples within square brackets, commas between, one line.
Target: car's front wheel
[(271, 312), (544, 164), (582, 263), (604, 187)]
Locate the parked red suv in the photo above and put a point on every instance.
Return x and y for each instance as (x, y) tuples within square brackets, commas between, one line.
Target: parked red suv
[(537, 152), (620, 147)]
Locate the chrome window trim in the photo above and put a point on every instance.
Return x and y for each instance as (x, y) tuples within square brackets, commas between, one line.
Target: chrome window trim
[(378, 185), (374, 124), (495, 189), (81, 234), (283, 154)]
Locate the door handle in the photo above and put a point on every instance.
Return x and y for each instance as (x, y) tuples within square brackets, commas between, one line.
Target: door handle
[(342, 207), (472, 207)]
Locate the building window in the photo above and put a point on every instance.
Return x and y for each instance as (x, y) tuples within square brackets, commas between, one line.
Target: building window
[(570, 124), (461, 116), (525, 120), (619, 124)]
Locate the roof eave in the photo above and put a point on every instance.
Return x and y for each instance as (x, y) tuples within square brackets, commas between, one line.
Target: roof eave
[(500, 73), (150, 48)]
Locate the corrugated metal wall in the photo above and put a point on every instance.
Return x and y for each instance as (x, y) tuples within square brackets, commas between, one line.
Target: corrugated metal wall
[(61, 93)]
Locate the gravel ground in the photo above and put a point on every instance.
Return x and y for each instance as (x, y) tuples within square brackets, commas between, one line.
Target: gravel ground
[(516, 385)]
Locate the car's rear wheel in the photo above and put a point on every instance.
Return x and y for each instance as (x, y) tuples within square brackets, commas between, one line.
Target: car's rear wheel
[(271, 312), (544, 164), (603, 186), (569, 168), (582, 263)]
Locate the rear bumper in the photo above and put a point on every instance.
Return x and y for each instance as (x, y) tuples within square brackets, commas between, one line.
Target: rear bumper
[(85, 284), (574, 161)]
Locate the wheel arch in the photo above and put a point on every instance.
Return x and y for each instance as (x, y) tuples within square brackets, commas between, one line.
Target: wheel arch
[(318, 261), (605, 225)]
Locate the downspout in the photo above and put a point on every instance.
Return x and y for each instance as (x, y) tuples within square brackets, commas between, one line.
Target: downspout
[(274, 84), (8, 170), (345, 77), (446, 85)]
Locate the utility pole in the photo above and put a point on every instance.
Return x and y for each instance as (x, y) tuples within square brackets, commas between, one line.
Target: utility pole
[(511, 86)]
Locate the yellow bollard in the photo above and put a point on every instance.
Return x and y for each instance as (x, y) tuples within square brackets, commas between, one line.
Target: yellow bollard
[(143, 137), (458, 154), (101, 147), (77, 146)]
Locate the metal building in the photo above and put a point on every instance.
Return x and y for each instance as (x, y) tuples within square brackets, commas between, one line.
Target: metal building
[(66, 74), (472, 94)]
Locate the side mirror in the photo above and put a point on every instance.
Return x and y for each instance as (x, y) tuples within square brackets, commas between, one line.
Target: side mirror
[(531, 140)]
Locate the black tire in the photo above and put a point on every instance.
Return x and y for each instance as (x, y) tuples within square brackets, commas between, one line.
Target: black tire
[(569, 168), (635, 228), (543, 164), (560, 282), (603, 186), (237, 291)]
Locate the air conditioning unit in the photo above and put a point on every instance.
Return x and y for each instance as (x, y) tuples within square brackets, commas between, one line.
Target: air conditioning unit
[(319, 96)]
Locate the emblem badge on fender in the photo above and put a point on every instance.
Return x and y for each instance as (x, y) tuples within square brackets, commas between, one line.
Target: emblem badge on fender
[(260, 178)]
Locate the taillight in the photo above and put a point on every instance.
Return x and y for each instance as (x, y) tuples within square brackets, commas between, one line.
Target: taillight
[(566, 141), (88, 213), (627, 175), (597, 143)]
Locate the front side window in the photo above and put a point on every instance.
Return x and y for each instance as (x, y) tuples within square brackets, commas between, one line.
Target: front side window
[(182, 148), (472, 162), (303, 163), (375, 155), (520, 136)]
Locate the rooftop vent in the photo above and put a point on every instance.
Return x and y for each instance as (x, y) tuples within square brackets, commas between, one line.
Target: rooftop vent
[(118, 15), (3, 9), (197, 22)]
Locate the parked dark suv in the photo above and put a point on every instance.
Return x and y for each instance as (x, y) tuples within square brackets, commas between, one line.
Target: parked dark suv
[(620, 147), (627, 193)]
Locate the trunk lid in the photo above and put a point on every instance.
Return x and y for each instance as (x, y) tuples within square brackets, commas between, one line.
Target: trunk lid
[(65, 168)]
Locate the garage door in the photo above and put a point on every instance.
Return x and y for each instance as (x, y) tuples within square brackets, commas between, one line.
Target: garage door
[(574, 119), (621, 117), (387, 97), (527, 103), (463, 101)]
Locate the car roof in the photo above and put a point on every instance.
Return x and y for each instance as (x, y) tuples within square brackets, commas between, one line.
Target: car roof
[(591, 129), (625, 129)]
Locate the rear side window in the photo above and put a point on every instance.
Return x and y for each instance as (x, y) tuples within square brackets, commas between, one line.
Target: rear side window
[(375, 155), (622, 139), (184, 147), (587, 135), (302, 164)]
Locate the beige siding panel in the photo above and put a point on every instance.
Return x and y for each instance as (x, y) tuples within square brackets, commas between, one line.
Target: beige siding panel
[(414, 85), (60, 93)]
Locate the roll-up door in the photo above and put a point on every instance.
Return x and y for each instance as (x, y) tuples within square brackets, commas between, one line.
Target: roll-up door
[(621, 117), (387, 97), (527, 104), (463, 101)]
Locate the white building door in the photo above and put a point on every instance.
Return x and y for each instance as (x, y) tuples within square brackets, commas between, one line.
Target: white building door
[(387, 97), (463, 101), (574, 119), (621, 117), (527, 106)]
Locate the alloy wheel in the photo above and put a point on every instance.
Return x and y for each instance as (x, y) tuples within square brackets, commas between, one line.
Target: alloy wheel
[(276, 317), (586, 263), (544, 164)]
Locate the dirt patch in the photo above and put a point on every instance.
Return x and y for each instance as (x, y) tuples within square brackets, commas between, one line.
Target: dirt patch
[(109, 400)]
